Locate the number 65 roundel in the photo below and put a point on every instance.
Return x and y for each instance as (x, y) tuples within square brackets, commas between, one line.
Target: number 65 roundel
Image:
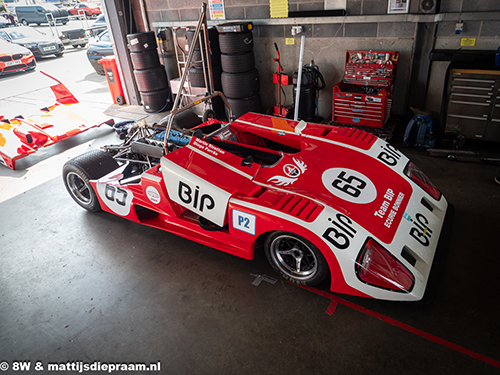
[(349, 185)]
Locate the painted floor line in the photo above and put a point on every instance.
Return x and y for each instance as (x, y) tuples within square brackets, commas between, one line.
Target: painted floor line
[(334, 301)]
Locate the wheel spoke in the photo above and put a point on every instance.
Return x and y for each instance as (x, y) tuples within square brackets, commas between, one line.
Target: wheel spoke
[(298, 261), (83, 188)]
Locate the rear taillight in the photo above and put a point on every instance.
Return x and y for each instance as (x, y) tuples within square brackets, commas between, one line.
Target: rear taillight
[(376, 266), (418, 177)]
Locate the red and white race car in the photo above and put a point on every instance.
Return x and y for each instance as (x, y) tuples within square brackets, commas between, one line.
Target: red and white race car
[(324, 201), (21, 136)]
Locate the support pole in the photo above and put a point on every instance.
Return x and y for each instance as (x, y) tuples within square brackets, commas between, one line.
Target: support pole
[(299, 77)]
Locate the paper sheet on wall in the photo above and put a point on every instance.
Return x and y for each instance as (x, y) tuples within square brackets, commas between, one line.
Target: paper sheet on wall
[(217, 11), (278, 8)]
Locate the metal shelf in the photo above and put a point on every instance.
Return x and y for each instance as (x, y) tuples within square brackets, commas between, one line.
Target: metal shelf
[(418, 18)]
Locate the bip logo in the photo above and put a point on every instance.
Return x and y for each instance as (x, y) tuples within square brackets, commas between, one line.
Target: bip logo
[(194, 193), (186, 195), (244, 222)]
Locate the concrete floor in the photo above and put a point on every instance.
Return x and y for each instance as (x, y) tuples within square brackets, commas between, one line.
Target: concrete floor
[(77, 286)]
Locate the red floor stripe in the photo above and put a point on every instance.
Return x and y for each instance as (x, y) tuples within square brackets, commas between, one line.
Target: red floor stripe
[(336, 300), (331, 309)]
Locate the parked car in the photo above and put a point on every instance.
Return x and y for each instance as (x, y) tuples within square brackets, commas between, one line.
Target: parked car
[(99, 47), (15, 58), (84, 9), (98, 26), (4, 22), (325, 202), (37, 42), (40, 13)]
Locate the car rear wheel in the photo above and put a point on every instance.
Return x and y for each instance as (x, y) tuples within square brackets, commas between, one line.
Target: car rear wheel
[(78, 172), (25, 23), (295, 258)]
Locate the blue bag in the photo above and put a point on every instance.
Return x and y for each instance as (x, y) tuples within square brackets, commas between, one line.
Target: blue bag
[(420, 133)]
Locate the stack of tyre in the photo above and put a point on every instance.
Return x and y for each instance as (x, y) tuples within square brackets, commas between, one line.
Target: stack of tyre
[(240, 79), (197, 74), (150, 75)]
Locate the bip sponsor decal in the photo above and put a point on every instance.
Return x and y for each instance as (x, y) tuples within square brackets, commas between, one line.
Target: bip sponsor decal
[(194, 193)]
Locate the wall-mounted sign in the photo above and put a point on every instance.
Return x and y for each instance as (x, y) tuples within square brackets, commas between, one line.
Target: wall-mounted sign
[(335, 4), (216, 8), (467, 42), (278, 8), (398, 6)]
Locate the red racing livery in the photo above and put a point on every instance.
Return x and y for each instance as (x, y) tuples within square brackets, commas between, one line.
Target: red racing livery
[(326, 202)]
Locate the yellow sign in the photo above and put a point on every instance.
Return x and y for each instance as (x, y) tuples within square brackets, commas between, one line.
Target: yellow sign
[(467, 42), (290, 41), (278, 8)]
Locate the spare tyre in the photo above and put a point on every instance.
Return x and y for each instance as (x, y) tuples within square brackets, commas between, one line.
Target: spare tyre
[(240, 85), (231, 43), (241, 106), (145, 60), (151, 79), (142, 41), (239, 63)]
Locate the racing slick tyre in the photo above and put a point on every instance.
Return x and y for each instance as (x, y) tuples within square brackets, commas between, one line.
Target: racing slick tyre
[(141, 42), (145, 60), (240, 85), (197, 59), (213, 37), (241, 106), (238, 63), (197, 77), (151, 79), (78, 171), (231, 43), (295, 258)]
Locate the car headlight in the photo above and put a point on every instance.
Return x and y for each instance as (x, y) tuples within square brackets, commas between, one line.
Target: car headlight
[(30, 45), (377, 267), (27, 54)]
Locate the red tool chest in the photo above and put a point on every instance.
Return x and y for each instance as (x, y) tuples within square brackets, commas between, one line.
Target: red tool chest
[(364, 96)]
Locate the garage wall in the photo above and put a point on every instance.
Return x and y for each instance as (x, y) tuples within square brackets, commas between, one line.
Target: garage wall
[(366, 27)]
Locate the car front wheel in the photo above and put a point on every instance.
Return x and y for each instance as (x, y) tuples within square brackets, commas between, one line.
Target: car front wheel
[(78, 172), (295, 258)]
